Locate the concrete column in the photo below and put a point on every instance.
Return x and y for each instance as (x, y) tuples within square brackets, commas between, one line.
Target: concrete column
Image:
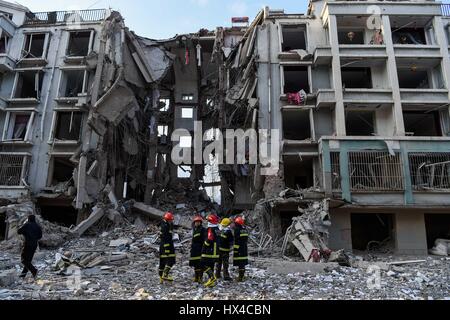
[(411, 235), (337, 78), (441, 38), (340, 231), (393, 78)]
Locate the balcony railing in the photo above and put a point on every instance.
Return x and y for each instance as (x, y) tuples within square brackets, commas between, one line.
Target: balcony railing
[(446, 10), (69, 17)]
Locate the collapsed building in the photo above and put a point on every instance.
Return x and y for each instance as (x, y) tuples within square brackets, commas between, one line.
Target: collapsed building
[(360, 99)]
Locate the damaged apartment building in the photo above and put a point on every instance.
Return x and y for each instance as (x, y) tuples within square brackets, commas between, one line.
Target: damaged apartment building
[(360, 93)]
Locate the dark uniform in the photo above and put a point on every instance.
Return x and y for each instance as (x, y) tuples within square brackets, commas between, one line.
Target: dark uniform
[(198, 237), (166, 250), (240, 252), (32, 233), (210, 251), (225, 245)]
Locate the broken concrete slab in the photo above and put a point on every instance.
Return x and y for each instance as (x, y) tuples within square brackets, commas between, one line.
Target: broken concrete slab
[(8, 278), (96, 215), (120, 242)]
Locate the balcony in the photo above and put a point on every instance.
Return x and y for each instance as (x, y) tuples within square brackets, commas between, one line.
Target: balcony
[(424, 96), (406, 170), (7, 63), (326, 98), (363, 51), (368, 96), (323, 56), (417, 51), (65, 17)]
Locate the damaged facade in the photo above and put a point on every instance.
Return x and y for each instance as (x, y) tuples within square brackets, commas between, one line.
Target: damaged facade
[(88, 109)]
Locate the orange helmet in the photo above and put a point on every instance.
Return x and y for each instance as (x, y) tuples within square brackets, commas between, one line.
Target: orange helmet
[(169, 217), (198, 218), (213, 219), (240, 221)]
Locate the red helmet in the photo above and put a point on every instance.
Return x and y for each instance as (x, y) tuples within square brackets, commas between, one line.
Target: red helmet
[(213, 219), (240, 221), (169, 217), (198, 219)]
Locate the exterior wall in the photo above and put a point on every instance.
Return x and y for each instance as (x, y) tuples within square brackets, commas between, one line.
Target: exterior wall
[(41, 145)]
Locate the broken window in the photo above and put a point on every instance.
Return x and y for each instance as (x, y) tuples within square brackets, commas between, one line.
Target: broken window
[(28, 84), (372, 231), (4, 44), (409, 36), (187, 97), (294, 37), (430, 171), (375, 171), (187, 113), (299, 173), (335, 171), (17, 126), (360, 123), (296, 79), (297, 125), (61, 172), (7, 15), (12, 169), (80, 43), (164, 105), (413, 78), (73, 83), (422, 124), (163, 131), (351, 37), (437, 227), (68, 126), (35, 46), (357, 78), (184, 172)]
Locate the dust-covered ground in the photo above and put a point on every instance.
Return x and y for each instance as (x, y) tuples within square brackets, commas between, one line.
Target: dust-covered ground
[(94, 268)]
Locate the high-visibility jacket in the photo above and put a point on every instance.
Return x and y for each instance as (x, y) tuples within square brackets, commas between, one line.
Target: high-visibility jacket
[(226, 240), (167, 248), (210, 251), (240, 249), (198, 237)]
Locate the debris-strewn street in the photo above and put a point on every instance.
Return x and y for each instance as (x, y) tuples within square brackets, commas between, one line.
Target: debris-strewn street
[(129, 261)]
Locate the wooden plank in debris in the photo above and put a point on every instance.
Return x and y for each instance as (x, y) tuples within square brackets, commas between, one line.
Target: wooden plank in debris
[(96, 215), (398, 263)]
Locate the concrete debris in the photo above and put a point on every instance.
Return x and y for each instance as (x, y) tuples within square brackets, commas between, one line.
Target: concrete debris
[(96, 215), (441, 248), (156, 214), (7, 278)]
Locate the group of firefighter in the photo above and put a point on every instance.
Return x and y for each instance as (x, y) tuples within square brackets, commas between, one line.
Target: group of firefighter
[(210, 250)]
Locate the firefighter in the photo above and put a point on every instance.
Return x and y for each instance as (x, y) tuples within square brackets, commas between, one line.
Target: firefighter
[(225, 246), (198, 237), (210, 252), (240, 251), (167, 248)]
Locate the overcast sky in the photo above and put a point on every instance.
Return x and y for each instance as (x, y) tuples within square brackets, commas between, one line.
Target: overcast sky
[(164, 18)]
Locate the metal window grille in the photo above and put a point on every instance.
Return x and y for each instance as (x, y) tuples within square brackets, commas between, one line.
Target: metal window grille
[(42, 18), (11, 170), (335, 171), (375, 171), (430, 171)]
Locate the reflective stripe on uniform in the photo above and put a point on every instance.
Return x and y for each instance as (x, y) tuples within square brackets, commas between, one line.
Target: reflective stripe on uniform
[(244, 234), (168, 256), (210, 256), (236, 246), (195, 258), (197, 235), (207, 244), (167, 245), (225, 249), (223, 236), (240, 258), (168, 251)]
